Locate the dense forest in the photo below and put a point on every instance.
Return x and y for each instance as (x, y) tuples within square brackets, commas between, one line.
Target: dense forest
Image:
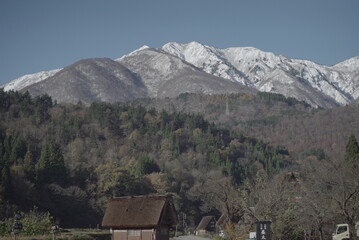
[(272, 118), (68, 160), (71, 158)]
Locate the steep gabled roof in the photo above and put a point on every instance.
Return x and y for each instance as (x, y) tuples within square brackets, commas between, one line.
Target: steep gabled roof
[(139, 212), (203, 225), (222, 220)]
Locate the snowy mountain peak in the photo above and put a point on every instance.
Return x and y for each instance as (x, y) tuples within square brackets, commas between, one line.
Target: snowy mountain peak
[(182, 46), (193, 52), (350, 64), (133, 52), (269, 72), (230, 63)]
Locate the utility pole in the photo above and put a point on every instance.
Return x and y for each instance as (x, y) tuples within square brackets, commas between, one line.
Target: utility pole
[(184, 224)]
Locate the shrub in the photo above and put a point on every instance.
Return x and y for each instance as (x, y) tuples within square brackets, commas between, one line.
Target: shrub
[(33, 223), (36, 223), (6, 227)]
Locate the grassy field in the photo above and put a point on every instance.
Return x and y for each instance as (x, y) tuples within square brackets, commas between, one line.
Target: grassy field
[(68, 234)]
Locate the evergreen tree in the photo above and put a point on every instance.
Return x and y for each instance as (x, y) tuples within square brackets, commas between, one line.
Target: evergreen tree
[(352, 152), (5, 178), (42, 105), (18, 149), (145, 165), (51, 166), (29, 165)]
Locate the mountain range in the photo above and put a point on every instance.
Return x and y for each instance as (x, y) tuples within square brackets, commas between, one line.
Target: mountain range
[(193, 67)]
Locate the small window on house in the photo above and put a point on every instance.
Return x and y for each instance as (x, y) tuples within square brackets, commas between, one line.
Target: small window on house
[(134, 233)]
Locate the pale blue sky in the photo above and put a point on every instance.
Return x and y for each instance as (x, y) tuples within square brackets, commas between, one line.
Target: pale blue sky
[(38, 35)]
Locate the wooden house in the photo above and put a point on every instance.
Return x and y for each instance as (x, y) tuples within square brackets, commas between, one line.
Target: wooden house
[(207, 225), (222, 221), (140, 217)]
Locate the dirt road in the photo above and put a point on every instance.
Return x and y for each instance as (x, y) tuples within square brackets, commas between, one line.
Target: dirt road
[(191, 237)]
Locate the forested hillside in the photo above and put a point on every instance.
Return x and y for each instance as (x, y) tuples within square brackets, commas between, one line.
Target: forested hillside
[(272, 118), (69, 159)]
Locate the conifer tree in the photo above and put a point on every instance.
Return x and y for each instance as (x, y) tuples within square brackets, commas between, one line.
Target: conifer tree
[(51, 166), (352, 152), (18, 149), (5, 177), (29, 165), (145, 165)]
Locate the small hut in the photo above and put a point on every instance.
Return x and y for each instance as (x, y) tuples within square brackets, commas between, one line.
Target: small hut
[(140, 217), (207, 225)]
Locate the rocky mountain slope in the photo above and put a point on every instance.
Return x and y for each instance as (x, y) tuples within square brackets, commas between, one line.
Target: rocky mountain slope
[(165, 75), (196, 68), (302, 79), (29, 79), (145, 73), (90, 80)]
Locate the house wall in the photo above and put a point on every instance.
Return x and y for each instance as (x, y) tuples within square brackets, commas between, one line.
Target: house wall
[(201, 232), (119, 235), (133, 234), (211, 226), (147, 234), (138, 234)]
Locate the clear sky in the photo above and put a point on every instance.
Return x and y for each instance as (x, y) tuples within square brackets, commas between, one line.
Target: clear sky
[(37, 35)]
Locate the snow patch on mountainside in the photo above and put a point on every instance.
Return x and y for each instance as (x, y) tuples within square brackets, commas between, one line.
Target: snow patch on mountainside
[(29, 79)]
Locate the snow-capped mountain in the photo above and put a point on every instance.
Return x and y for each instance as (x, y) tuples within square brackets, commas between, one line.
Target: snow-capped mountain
[(144, 73), (271, 73), (349, 70), (89, 80), (29, 79), (196, 68), (166, 75)]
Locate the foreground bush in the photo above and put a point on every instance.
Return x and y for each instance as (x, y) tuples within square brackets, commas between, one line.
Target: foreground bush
[(33, 223)]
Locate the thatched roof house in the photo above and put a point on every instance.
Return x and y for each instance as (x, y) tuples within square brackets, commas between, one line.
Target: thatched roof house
[(222, 221), (140, 217), (207, 225)]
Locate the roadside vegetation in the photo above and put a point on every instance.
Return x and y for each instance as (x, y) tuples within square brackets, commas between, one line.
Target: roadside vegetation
[(67, 234)]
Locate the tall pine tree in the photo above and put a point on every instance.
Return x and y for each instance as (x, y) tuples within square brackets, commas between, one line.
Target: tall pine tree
[(29, 165), (352, 152), (51, 166), (5, 177)]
